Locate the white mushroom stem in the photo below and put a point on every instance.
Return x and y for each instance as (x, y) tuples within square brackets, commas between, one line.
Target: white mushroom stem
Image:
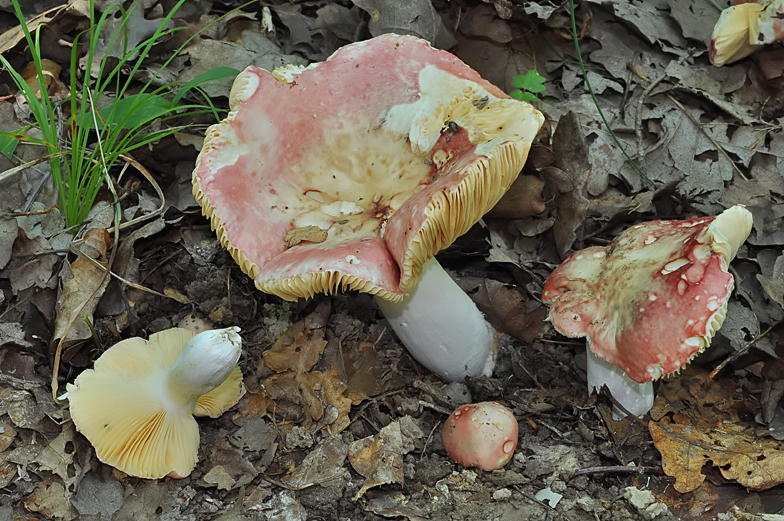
[(637, 398), (205, 362), (441, 327)]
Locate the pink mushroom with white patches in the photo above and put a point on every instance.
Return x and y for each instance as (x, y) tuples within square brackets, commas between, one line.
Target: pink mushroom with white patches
[(481, 435), (352, 173), (648, 302)]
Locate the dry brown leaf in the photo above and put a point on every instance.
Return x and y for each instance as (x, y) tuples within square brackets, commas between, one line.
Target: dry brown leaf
[(299, 388), (51, 73), (755, 463), (324, 463), (298, 349), (523, 199), (378, 458), (83, 291), (333, 388), (51, 500), (293, 356), (11, 37), (7, 435), (506, 308), (361, 364), (252, 405)]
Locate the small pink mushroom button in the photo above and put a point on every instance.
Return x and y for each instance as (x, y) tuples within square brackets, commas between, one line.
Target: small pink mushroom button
[(481, 435)]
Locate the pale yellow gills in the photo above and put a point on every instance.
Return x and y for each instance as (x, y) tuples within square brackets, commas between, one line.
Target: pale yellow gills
[(745, 28), (136, 406)]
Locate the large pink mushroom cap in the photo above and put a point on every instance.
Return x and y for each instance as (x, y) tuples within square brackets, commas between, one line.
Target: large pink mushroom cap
[(654, 297), (353, 172), (481, 435)]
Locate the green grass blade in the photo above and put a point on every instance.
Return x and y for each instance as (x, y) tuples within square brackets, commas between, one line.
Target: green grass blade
[(596, 101), (218, 73)]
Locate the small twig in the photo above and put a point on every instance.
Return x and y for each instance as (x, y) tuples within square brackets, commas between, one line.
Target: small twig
[(694, 121), (427, 441), (37, 212), (533, 498), (638, 118), (556, 431), (740, 353), (435, 407), (617, 469), (439, 396), (532, 377), (283, 485), (605, 391)]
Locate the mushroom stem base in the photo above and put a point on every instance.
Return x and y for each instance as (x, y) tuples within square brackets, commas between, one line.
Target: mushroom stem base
[(442, 328), (636, 397)]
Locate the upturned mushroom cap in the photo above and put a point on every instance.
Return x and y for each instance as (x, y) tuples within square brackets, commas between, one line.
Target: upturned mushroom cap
[(136, 406), (744, 28), (353, 172), (481, 435), (654, 297)]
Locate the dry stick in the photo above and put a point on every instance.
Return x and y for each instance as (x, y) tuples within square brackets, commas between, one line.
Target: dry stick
[(117, 218), (638, 118), (427, 441), (616, 468), (740, 353), (694, 121), (15, 170), (605, 391), (121, 279)]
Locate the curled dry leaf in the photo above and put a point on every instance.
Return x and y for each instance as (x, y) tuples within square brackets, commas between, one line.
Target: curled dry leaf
[(293, 357), (757, 464), (82, 292), (378, 458), (506, 308), (523, 199)]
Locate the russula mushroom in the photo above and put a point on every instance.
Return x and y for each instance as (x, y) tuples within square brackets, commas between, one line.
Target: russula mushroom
[(352, 173), (481, 435), (745, 27), (648, 302), (136, 406)]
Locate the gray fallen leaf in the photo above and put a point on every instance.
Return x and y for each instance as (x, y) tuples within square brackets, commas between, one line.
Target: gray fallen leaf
[(255, 49), (97, 495), (696, 18), (415, 17)]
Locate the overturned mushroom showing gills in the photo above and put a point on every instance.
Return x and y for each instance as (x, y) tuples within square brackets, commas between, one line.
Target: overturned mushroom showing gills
[(744, 28), (481, 435), (648, 302), (137, 405), (352, 173)]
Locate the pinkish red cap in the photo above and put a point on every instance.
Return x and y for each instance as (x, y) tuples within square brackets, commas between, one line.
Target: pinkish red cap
[(654, 297), (353, 172)]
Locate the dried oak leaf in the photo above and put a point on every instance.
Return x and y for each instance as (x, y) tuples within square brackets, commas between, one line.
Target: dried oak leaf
[(82, 292), (378, 458), (298, 349), (506, 308), (523, 199), (757, 464)]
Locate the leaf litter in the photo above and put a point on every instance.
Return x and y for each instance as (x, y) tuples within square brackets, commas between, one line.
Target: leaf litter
[(339, 422)]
